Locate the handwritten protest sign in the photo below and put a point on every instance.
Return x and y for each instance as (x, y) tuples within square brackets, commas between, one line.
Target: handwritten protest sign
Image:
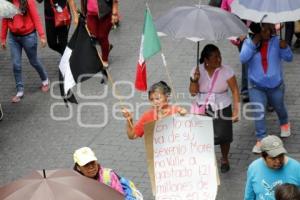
[(183, 158)]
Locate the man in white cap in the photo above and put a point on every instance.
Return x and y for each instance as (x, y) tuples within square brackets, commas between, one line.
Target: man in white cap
[(87, 165), (272, 169)]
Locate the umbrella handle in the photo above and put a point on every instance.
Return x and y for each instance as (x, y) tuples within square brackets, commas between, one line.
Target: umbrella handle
[(198, 52), (44, 173)]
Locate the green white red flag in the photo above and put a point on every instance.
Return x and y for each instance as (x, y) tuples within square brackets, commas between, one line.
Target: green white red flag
[(150, 45)]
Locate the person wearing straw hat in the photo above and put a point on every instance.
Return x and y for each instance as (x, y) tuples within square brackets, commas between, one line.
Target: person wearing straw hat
[(272, 169), (85, 162), (158, 95), (263, 53)]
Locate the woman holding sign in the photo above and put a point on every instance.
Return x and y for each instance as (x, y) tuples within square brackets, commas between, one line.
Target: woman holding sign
[(210, 82), (158, 95)]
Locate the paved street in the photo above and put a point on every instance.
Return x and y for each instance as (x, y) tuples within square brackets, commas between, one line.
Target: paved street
[(40, 132)]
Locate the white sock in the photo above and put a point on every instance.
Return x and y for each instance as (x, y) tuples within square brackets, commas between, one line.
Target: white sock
[(20, 94), (45, 82)]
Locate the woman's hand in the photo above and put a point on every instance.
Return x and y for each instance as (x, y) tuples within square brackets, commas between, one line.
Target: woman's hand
[(182, 111), (283, 44), (127, 114), (197, 74), (114, 18), (43, 42), (3, 45), (235, 115), (257, 38)]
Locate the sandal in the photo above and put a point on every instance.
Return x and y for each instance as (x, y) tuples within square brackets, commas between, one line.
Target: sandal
[(16, 99), (45, 86)]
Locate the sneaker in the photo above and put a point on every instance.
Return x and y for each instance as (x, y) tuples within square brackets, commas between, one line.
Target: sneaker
[(17, 98), (285, 130), (1, 113), (256, 149)]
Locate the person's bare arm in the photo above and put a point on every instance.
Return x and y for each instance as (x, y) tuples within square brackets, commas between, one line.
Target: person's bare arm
[(236, 98), (130, 130), (115, 12), (73, 8)]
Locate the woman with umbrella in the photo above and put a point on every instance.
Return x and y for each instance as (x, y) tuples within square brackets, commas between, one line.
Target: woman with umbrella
[(263, 54), (210, 82)]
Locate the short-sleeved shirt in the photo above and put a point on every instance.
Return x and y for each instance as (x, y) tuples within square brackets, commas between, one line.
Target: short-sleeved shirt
[(219, 98), (150, 116)]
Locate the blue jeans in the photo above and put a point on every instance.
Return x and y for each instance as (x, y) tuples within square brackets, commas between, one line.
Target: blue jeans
[(29, 43), (260, 96)]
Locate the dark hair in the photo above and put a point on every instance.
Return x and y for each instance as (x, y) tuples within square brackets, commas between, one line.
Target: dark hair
[(207, 51), (162, 86), (23, 6), (287, 191), (264, 154), (76, 166)]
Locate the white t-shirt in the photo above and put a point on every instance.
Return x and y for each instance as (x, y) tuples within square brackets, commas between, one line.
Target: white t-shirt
[(219, 97)]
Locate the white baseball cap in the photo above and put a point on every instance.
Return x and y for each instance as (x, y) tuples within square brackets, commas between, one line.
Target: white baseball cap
[(83, 156)]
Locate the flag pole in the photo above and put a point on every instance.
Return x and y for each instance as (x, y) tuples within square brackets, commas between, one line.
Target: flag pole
[(169, 77), (110, 79)]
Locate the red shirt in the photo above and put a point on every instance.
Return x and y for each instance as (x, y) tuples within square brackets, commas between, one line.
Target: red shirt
[(23, 24), (150, 116)]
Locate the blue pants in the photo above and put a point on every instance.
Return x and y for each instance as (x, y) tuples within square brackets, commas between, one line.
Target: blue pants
[(260, 96), (29, 43)]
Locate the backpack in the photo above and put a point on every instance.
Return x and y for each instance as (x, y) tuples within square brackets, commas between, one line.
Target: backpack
[(130, 191)]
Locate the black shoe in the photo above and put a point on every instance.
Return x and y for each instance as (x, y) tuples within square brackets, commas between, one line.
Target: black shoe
[(245, 98), (270, 108), (225, 167), (104, 78), (111, 47)]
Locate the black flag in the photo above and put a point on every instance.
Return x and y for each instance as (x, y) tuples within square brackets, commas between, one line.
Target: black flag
[(79, 62)]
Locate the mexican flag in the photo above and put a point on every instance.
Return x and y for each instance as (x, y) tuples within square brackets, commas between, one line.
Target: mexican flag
[(150, 45)]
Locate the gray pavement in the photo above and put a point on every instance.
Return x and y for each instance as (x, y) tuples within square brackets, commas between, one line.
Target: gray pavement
[(30, 137)]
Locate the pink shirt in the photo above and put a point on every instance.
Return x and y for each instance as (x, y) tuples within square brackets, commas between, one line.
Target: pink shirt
[(226, 5), (219, 98), (92, 7)]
